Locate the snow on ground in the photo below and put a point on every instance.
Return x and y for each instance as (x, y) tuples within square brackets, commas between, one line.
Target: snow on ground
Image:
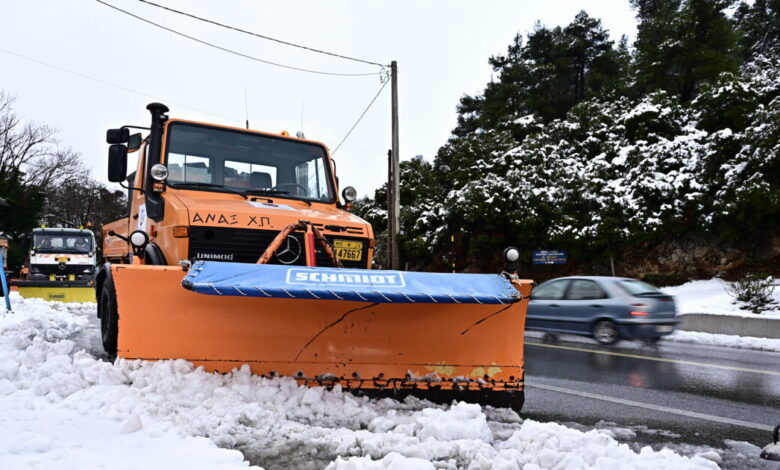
[(66, 408), (730, 341), (710, 296)]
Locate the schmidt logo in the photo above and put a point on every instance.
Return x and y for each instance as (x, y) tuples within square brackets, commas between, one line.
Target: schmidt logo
[(361, 278)]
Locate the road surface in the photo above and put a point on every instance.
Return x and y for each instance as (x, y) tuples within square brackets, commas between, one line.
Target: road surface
[(700, 395)]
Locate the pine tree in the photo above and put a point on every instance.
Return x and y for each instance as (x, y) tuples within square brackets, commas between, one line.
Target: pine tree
[(682, 45), (759, 25)]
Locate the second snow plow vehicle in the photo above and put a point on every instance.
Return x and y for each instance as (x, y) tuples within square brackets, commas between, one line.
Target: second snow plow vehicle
[(237, 251), (60, 265)]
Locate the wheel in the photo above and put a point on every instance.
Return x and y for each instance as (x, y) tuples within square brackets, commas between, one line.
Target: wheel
[(652, 340), (109, 317), (605, 332), (303, 188)]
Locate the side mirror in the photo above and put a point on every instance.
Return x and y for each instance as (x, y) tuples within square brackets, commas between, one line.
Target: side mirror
[(117, 136), (117, 163), (134, 142)]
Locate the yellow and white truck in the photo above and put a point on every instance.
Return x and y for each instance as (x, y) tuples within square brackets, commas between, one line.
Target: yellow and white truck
[(60, 265)]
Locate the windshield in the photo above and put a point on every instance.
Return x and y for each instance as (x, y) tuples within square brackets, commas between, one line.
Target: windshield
[(636, 287), (204, 157), (62, 243)]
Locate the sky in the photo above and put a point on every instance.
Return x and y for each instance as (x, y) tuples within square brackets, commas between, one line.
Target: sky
[(442, 49)]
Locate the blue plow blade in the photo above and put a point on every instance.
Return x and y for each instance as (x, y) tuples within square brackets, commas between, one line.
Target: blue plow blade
[(361, 285)]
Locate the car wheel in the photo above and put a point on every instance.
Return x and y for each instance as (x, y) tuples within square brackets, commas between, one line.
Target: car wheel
[(605, 332), (109, 317), (652, 340)]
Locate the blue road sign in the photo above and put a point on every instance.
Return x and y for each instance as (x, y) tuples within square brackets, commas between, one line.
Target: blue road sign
[(549, 257)]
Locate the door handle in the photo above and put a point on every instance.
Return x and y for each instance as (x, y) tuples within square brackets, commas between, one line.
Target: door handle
[(554, 305), (596, 306)]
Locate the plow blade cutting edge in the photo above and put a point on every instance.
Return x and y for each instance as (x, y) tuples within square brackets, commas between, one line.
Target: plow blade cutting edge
[(379, 333)]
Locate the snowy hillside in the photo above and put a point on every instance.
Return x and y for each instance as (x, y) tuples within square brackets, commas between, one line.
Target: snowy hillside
[(66, 407)]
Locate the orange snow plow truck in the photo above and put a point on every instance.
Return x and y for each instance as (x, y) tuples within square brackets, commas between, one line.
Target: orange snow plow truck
[(238, 250)]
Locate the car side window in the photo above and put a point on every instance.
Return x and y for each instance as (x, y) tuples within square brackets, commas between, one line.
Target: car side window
[(582, 289), (551, 291)]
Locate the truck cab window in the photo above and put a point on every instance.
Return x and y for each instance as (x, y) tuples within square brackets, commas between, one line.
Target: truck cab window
[(188, 168), (244, 175), (211, 158)]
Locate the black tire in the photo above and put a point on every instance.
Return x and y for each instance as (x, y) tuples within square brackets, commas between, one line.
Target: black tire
[(652, 340), (606, 332), (109, 317)]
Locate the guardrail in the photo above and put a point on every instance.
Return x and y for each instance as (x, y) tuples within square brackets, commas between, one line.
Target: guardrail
[(761, 327)]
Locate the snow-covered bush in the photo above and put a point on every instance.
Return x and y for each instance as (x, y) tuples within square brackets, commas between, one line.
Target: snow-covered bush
[(753, 292)]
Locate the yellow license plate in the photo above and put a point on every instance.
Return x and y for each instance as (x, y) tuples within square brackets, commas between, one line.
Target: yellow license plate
[(62, 259), (348, 250)]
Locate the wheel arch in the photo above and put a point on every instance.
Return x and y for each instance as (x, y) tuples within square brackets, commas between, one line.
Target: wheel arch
[(602, 317), (154, 255)]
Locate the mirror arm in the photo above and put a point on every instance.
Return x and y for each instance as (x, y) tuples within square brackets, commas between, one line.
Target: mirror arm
[(131, 188)]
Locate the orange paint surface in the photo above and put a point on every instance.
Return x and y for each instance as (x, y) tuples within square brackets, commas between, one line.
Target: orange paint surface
[(356, 342)]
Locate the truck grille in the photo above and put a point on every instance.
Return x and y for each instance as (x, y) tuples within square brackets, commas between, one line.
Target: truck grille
[(247, 245)]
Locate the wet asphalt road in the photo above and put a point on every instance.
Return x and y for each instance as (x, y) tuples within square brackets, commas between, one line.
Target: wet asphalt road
[(700, 395)]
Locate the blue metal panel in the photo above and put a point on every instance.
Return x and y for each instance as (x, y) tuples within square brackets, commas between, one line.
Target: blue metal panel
[(293, 282), (4, 284)]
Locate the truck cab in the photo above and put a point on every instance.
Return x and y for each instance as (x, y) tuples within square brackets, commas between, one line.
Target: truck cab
[(61, 254), (210, 192)]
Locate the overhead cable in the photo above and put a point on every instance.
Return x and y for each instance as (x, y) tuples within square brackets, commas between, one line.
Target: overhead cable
[(103, 82), (286, 43), (230, 51), (384, 83)]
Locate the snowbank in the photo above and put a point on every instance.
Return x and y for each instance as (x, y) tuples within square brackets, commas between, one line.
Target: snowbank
[(710, 296), (730, 341), (65, 404)]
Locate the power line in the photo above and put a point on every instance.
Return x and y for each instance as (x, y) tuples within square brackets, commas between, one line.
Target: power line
[(103, 82), (286, 43), (230, 51), (384, 83)]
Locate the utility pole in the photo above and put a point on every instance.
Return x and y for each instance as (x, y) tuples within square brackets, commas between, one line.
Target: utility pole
[(394, 211), (389, 245)]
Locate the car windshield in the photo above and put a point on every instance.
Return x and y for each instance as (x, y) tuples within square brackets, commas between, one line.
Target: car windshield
[(233, 161), (637, 287), (62, 243)]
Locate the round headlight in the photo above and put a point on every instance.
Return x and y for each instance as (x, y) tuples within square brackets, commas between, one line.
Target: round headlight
[(511, 254), (349, 193), (159, 172), (139, 238)]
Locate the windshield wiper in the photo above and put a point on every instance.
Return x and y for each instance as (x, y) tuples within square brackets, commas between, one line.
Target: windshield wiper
[(218, 187), (264, 192)]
